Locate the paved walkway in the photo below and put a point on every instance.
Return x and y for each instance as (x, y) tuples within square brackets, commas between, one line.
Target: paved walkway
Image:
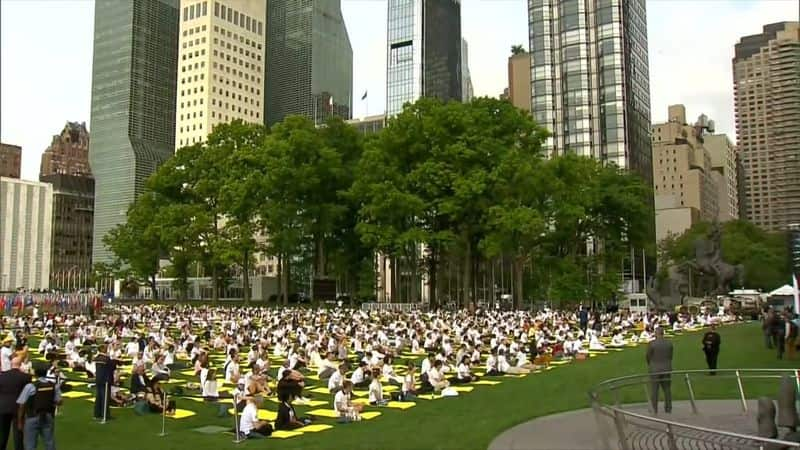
[(579, 430)]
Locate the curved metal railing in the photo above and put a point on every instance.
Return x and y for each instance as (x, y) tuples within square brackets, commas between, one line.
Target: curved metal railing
[(629, 430)]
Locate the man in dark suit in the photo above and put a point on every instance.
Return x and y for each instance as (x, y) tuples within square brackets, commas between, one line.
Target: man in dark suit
[(659, 360), (11, 384), (711, 343), (104, 377)]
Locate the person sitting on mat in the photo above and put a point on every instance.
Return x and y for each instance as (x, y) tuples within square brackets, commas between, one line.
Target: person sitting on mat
[(345, 409), (159, 368), (409, 390), (492, 368), (287, 417), (463, 374), (139, 380), (359, 376), (154, 396), (436, 377), (376, 390), (336, 379), (249, 425)]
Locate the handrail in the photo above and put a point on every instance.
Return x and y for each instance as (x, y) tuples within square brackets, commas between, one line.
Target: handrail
[(616, 412)]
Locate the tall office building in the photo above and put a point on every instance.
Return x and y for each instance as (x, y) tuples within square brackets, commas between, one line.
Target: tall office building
[(519, 80), (133, 104), (26, 209), (590, 79), (10, 160), (68, 152), (766, 86), (723, 165), (423, 55), (309, 60), (467, 91), (73, 220), (220, 67), (684, 183)]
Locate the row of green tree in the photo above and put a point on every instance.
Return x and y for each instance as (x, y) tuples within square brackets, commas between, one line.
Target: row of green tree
[(763, 255), (455, 196)]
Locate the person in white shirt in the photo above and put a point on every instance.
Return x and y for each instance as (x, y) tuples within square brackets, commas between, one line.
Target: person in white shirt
[(5, 354), (232, 369), (359, 377), (327, 367), (436, 377), (426, 363), (409, 389), (249, 425), (346, 411), (387, 370), (335, 381), (491, 365), (376, 390), (159, 369), (463, 374)]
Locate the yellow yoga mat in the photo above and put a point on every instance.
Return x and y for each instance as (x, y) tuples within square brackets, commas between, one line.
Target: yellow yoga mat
[(370, 414), (76, 394), (401, 405), (321, 390), (315, 428), (360, 401), (324, 413), (390, 388), (462, 388), (187, 373), (361, 393), (182, 414), (487, 382), (283, 434), (312, 403)]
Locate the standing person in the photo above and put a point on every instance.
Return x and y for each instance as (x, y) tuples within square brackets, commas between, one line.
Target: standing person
[(779, 335), (104, 377), (659, 360), (6, 352), (11, 384), (767, 326), (36, 410), (583, 318), (711, 343), (790, 333)]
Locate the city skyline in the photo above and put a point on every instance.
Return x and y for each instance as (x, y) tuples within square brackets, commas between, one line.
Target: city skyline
[(673, 76)]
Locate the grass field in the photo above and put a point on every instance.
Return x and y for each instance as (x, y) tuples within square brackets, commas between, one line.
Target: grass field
[(469, 421)]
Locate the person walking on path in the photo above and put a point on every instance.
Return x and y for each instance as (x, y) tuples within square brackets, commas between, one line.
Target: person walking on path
[(659, 362), (711, 343)]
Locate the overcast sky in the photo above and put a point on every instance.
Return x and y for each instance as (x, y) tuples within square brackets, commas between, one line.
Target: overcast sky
[(46, 58)]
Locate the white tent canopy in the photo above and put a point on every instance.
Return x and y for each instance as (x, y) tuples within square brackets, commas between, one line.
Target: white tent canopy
[(785, 290)]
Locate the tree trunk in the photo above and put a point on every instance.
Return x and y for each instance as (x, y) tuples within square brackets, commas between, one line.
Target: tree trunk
[(153, 287), (433, 267), (394, 284), (279, 296), (466, 281), (285, 281), (214, 285), (415, 280), (518, 268), (246, 277)]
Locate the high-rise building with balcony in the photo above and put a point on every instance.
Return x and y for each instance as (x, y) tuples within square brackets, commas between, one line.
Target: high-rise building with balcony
[(10, 160), (309, 61), (590, 79), (221, 66), (133, 103), (68, 152), (467, 90), (423, 55), (766, 85)]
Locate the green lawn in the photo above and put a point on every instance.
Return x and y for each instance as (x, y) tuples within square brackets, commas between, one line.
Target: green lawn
[(470, 421)]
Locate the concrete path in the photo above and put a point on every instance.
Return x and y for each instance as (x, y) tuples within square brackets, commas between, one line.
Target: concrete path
[(579, 430)]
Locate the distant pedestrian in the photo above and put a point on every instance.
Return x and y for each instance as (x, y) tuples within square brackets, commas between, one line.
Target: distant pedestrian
[(659, 364), (711, 344), (768, 327)]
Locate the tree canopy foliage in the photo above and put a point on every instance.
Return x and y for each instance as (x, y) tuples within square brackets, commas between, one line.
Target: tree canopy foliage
[(763, 255), (455, 197)]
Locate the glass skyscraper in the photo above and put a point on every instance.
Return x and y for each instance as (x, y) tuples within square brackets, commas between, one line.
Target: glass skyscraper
[(423, 55), (309, 61), (133, 104), (590, 79)]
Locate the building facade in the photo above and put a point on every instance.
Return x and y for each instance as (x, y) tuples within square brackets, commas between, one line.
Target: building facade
[(10, 160), (519, 80), (723, 165), (423, 54), (369, 124), (68, 152), (26, 208), (683, 177), (133, 104), (220, 67), (590, 79), (73, 224), (309, 61), (467, 90), (766, 86)]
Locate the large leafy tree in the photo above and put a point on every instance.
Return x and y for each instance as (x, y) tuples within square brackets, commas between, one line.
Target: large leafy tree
[(763, 255)]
